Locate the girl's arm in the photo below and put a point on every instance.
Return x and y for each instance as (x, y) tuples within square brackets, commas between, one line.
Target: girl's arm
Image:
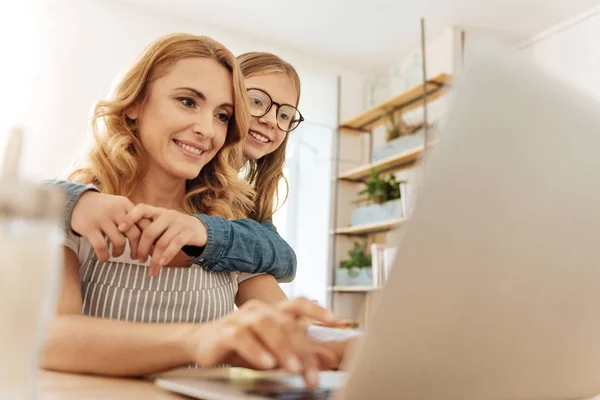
[(242, 245)]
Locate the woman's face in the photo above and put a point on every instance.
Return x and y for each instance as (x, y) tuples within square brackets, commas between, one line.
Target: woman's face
[(265, 136), (182, 123)]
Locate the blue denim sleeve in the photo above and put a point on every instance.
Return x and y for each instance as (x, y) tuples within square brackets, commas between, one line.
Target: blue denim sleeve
[(244, 245), (73, 192)]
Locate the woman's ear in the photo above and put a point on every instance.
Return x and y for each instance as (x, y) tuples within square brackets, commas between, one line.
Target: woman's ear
[(133, 112)]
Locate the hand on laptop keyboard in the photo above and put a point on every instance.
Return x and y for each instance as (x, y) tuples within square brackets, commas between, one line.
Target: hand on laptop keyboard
[(261, 336)]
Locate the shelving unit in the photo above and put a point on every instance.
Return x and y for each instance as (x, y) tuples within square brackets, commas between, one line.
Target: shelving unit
[(347, 180), (406, 101), (369, 228), (396, 162)]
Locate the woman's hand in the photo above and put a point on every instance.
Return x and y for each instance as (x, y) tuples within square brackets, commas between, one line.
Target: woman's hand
[(262, 337), (168, 231)]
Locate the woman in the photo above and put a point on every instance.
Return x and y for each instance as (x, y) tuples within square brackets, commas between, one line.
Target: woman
[(171, 135), (273, 87), (242, 245)]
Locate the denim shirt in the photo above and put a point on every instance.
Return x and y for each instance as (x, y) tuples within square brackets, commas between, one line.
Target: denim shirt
[(242, 245)]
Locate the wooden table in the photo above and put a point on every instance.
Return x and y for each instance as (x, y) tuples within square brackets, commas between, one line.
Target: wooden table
[(61, 386)]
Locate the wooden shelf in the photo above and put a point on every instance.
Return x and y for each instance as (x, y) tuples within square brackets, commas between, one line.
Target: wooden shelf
[(406, 101), (395, 163), (352, 289), (370, 228)]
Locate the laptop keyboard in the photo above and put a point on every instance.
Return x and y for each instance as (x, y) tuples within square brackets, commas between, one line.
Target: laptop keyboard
[(316, 394)]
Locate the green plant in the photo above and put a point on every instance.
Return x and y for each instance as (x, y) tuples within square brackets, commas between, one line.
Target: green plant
[(380, 190), (358, 257)]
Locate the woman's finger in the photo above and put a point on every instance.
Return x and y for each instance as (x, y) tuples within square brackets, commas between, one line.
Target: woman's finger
[(166, 252), (133, 236), (150, 235), (170, 236), (252, 350), (302, 307), (271, 329), (306, 352), (328, 359), (136, 214)]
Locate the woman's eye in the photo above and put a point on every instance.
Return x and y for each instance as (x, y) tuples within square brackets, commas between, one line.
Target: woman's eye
[(223, 117), (256, 102), (189, 103), (284, 117)]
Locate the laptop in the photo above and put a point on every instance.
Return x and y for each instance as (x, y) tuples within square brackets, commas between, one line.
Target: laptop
[(495, 291)]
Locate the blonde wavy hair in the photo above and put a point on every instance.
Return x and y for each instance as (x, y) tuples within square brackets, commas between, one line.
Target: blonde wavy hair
[(265, 173), (114, 163)]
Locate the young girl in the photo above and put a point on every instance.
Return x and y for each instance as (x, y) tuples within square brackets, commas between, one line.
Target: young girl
[(170, 140)]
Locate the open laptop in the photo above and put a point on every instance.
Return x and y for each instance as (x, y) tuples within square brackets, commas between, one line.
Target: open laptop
[(495, 292)]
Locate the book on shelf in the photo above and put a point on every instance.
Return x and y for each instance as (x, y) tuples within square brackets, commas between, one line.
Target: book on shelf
[(407, 198), (382, 261)]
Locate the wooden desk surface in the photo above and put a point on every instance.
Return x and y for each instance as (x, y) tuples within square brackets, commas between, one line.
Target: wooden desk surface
[(61, 386)]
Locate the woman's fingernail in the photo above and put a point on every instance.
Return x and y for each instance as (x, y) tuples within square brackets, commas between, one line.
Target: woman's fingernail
[(267, 360), (294, 365), (122, 226), (162, 261)]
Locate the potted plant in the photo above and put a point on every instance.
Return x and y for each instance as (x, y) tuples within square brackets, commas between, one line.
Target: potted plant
[(383, 201), (357, 269), (400, 137)]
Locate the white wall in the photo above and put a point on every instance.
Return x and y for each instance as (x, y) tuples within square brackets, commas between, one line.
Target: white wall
[(571, 51), (87, 43), (20, 42)]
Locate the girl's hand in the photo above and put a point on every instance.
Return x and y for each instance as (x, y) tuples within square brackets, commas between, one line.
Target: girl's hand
[(168, 231)]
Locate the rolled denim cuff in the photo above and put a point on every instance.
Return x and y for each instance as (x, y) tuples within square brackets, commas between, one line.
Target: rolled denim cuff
[(73, 192), (216, 243)]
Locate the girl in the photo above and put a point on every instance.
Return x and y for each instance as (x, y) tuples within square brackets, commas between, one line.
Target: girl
[(170, 140)]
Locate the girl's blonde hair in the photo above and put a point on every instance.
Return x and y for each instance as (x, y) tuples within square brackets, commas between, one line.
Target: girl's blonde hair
[(265, 173), (114, 162)]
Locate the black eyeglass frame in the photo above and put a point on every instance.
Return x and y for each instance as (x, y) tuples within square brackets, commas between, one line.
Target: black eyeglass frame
[(278, 105)]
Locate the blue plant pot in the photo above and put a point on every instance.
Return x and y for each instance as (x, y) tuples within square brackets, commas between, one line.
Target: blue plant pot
[(398, 145), (377, 213), (354, 277)]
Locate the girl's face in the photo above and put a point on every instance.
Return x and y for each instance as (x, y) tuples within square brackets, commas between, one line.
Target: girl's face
[(182, 123), (265, 136)]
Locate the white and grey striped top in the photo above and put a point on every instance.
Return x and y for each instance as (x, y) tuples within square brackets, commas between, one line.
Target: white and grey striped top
[(122, 289)]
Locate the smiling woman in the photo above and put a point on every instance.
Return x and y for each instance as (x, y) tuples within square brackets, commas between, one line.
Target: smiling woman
[(179, 93), (183, 121)]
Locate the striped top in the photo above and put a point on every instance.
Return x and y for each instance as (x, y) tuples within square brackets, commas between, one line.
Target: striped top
[(122, 289)]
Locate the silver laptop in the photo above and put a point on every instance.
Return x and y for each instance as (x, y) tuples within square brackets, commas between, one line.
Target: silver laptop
[(495, 292)]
